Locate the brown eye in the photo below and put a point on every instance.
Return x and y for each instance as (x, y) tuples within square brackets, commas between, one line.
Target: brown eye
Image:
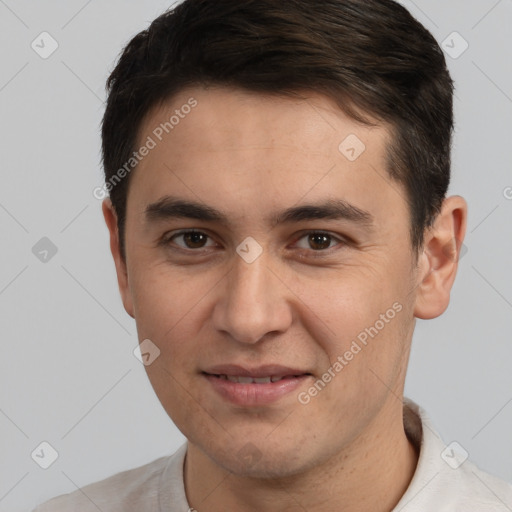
[(194, 240), (189, 240), (319, 241)]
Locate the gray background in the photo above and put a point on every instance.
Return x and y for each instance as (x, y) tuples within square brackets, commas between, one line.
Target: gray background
[(68, 374)]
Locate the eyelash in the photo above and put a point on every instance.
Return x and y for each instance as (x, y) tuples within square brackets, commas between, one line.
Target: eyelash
[(167, 239)]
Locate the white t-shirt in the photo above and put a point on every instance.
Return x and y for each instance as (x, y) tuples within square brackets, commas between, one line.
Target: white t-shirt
[(444, 481)]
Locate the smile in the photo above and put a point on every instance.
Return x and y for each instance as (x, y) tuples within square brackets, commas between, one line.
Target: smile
[(254, 387), (244, 379)]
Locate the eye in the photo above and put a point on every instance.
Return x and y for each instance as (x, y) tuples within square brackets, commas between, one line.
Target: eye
[(317, 241), (191, 239)]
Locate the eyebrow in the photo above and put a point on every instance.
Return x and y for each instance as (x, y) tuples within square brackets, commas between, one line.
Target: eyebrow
[(169, 207)]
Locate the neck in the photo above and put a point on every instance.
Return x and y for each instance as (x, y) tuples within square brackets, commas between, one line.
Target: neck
[(371, 474)]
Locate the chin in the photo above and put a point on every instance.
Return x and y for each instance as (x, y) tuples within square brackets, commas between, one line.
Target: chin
[(254, 460)]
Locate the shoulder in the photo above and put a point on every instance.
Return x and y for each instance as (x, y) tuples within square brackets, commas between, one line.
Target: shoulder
[(478, 490), (132, 490), (445, 479)]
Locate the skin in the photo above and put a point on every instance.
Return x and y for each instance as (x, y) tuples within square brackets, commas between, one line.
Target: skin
[(297, 304)]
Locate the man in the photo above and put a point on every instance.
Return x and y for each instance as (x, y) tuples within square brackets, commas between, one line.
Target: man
[(277, 176)]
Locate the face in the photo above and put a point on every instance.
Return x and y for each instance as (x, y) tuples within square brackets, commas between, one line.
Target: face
[(273, 270)]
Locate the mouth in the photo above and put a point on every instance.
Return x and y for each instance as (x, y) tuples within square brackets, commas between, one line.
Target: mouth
[(254, 386), (244, 379)]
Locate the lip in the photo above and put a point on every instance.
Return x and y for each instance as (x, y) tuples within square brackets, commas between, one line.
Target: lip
[(254, 394)]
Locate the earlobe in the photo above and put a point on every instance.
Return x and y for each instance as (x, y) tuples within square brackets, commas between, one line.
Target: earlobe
[(439, 260), (110, 217)]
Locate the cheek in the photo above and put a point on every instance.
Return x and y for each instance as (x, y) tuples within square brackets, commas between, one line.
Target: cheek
[(164, 299), (341, 304), (167, 307), (359, 319)]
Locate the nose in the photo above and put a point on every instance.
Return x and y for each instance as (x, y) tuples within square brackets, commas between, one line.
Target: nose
[(252, 302)]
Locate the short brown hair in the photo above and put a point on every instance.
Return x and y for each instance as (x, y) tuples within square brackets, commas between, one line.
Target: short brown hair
[(368, 54)]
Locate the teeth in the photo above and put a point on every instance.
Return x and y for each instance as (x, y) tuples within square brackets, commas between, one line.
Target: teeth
[(239, 379), (262, 380)]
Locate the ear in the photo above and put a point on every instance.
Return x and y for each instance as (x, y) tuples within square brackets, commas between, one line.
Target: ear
[(439, 260), (110, 216)]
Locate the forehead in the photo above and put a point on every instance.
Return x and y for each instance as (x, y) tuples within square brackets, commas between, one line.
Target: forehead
[(233, 119), (252, 152)]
